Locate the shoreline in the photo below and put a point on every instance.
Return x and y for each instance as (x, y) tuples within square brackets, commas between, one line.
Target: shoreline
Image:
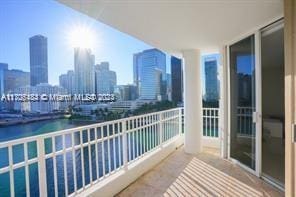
[(36, 119), (30, 120)]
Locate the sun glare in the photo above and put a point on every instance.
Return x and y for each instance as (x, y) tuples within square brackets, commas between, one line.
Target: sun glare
[(82, 37)]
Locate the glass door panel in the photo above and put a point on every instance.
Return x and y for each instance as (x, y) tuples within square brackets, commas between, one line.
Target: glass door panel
[(242, 102)]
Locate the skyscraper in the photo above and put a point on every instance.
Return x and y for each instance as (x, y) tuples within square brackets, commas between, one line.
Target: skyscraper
[(84, 62), (211, 79), (3, 67), (177, 84), (67, 81), (14, 79), (38, 60), (169, 86), (135, 69), (105, 79), (150, 74), (126, 92)]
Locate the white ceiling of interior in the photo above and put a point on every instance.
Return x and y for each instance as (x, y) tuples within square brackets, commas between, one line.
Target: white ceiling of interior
[(176, 25)]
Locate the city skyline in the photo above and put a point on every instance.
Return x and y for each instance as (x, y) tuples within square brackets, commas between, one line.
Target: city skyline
[(110, 45), (113, 43)]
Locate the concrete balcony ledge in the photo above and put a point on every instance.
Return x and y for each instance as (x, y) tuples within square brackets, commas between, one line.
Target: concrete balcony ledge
[(204, 174)]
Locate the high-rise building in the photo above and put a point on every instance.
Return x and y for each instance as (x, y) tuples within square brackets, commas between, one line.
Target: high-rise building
[(177, 82), (211, 79), (169, 86), (105, 79), (126, 92), (24, 106), (67, 81), (135, 70), (14, 79), (38, 60), (41, 106), (150, 74), (84, 62), (3, 68)]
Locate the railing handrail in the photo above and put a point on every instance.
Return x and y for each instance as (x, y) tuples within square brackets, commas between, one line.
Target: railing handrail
[(81, 128), (210, 108)]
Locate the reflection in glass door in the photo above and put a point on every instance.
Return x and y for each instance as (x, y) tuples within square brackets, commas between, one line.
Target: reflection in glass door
[(242, 102)]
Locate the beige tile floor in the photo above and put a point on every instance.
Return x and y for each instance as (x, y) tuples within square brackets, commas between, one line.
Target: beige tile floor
[(203, 174)]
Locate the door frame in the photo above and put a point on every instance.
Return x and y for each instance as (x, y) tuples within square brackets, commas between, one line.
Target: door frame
[(258, 92), (258, 103), (290, 96)]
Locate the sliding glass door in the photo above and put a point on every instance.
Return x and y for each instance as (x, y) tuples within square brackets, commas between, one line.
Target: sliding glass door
[(243, 102)]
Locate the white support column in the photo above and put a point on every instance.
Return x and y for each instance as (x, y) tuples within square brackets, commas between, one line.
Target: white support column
[(192, 101), (223, 103)]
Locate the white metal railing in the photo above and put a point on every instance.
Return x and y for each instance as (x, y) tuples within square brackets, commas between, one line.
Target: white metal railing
[(211, 122), (245, 124), (69, 161)]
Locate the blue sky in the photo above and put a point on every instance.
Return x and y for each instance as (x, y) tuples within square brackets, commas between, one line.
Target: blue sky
[(22, 19), (244, 62)]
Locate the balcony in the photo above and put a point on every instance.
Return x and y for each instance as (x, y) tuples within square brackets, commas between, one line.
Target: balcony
[(108, 157)]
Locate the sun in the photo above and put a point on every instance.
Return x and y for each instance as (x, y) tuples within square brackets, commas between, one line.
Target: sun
[(81, 37)]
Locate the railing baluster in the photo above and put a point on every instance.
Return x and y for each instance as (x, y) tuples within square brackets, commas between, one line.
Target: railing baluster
[(54, 167), (164, 128), (180, 121), (160, 129), (108, 149), (103, 150), (82, 158), (27, 175), (74, 161), (138, 140), (11, 172), (134, 144), (144, 136), (153, 132), (96, 151), (65, 165), (141, 140), (124, 144), (114, 151), (89, 157), (129, 146), (150, 132), (41, 167), (119, 144)]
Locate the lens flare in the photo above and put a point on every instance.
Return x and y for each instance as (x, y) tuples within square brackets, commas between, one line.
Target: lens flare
[(81, 37)]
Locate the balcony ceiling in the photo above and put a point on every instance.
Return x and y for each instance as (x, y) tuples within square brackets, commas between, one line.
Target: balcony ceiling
[(176, 25)]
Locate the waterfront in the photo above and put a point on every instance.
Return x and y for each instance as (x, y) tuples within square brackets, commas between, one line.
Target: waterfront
[(36, 128)]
